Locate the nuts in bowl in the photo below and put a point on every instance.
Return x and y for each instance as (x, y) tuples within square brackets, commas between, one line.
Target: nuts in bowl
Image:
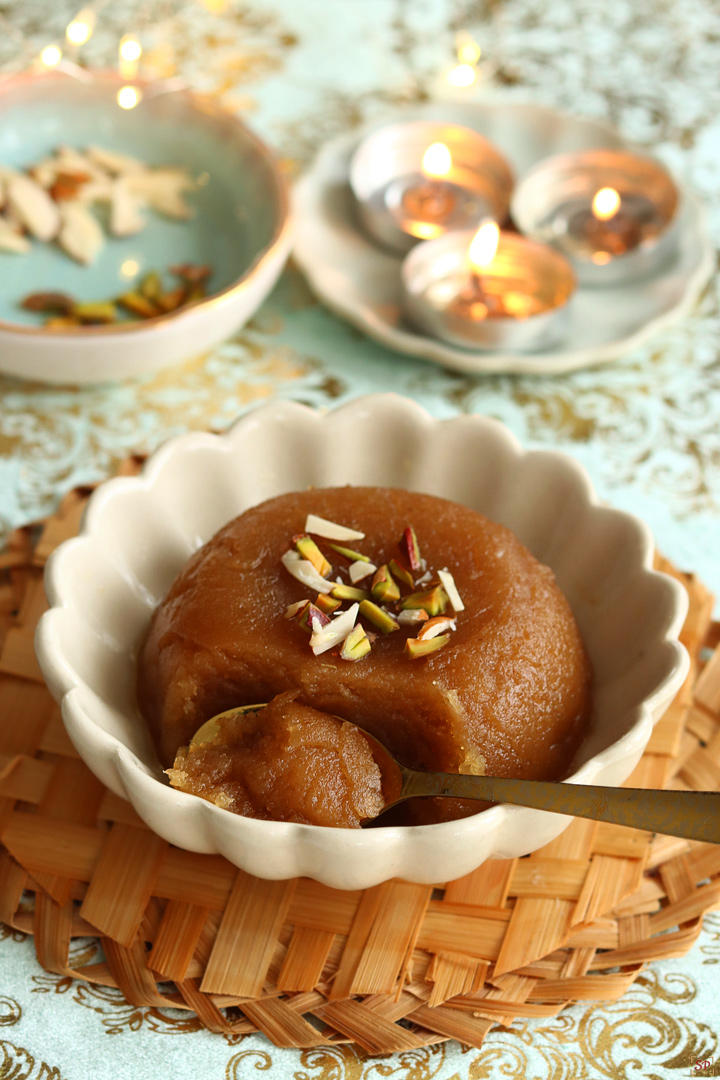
[(96, 198), (116, 594)]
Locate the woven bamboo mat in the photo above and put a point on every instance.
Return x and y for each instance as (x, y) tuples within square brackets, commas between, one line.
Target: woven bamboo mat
[(395, 967)]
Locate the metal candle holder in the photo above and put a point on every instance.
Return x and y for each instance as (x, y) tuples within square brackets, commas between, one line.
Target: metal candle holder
[(518, 301), (611, 212), (401, 202)]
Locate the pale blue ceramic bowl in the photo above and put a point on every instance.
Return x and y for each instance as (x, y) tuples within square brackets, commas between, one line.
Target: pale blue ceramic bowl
[(240, 225)]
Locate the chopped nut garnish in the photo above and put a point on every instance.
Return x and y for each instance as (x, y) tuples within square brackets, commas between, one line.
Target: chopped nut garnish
[(384, 621), (356, 644), (336, 630), (310, 551), (383, 605), (411, 549), (448, 583), (384, 588), (139, 305), (95, 312), (347, 592), (305, 572), (293, 609), (433, 627), (401, 573), (434, 601), (414, 648), (51, 303), (330, 530), (354, 556), (358, 571), (412, 615), (327, 603), (311, 618)]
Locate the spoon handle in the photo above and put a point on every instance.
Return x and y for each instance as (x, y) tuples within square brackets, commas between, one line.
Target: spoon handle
[(694, 815)]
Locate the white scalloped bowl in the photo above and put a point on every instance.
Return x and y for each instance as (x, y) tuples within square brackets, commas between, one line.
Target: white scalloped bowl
[(138, 533)]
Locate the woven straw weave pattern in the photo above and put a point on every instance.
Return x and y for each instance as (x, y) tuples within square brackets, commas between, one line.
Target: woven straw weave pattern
[(395, 967)]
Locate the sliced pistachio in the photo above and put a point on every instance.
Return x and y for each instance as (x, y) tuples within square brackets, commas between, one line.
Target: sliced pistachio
[(401, 573), (138, 305), (353, 556), (348, 592), (95, 311), (33, 206), (327, 603), (415, 648), (194, 273), (384, 587), (411, 549), (172, 299), (448, 583), (312, 618), (356, 644), (320, 526), (434, 601), (384, 621), (196, 292), (51, 303), (309, 550), (151, 286), (61, 322)]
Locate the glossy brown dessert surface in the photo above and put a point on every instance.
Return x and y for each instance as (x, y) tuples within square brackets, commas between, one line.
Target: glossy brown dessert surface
[(508, 695), (286, 762)]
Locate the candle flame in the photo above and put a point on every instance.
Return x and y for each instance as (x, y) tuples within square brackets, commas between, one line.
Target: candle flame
[(468, 50), (51, 56), (484, 245), (80, 29), (437, 160), (605, 204), (462, 75), (128, 97)]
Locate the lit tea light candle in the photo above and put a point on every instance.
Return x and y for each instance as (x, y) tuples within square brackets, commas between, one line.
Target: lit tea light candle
[(613, 213), (415, 181), (488, 289)]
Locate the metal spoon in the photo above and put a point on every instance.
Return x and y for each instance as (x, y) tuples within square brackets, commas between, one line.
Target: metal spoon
[(693, 815)]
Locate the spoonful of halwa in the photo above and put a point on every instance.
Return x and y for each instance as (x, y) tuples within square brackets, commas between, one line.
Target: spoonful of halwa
[(286, 761)]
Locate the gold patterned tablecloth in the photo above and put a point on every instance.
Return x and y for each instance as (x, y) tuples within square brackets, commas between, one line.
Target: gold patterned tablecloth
[(646, 428)]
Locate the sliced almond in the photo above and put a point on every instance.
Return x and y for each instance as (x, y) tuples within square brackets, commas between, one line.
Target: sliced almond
[(69, 160), (330, 530), (304, 571), (448, 583), (11, 240), (80, 236), (33, 206), (163, 189), (412, 615), (433, 627), (361, 569), (114, 162), (125, 216), (326, 637)]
